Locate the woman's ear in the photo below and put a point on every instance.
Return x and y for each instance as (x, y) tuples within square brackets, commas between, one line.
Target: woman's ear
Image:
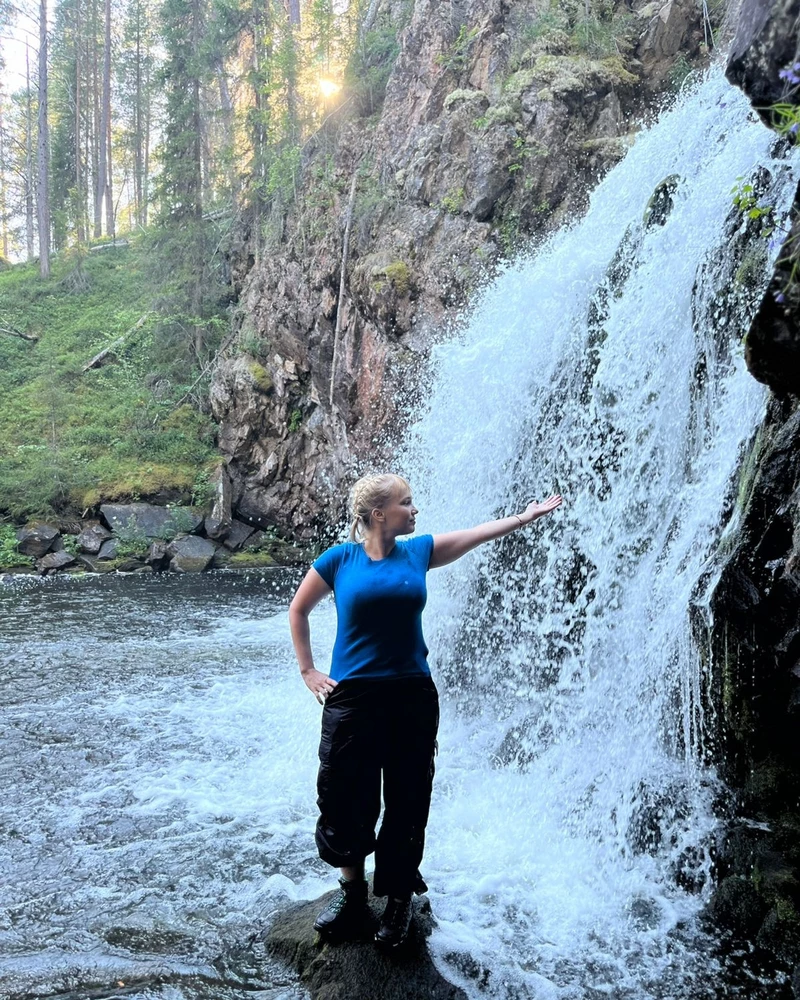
[(377, 513)]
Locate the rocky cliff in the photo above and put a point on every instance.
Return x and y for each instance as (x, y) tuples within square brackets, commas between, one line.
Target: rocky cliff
[(753, 646), (497, 120)]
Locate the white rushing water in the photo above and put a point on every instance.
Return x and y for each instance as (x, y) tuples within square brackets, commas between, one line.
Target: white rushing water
[(159, 749), (571, 832)]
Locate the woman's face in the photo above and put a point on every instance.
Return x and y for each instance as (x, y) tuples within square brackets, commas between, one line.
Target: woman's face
[(399, 513)]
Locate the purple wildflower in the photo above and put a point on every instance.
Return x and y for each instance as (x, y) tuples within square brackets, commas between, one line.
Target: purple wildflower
[(794, 128), (780, 298), (790, 75)]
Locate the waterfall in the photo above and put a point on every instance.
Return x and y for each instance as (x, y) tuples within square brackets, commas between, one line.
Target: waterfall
[(571, 833)]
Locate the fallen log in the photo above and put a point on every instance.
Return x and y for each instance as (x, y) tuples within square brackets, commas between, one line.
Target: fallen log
[(104, 357), (12, 331)]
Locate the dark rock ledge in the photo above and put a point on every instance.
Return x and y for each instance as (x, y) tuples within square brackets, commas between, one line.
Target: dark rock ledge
[(358, 970)]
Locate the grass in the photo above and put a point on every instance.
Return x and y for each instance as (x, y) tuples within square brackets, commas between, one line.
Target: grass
[(70, 439)]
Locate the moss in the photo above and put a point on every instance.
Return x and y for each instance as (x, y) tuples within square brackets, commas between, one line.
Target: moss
[(505, 113), (261, 377), (613, 71), (399, 275), (753, 265), (564, 74), (453, 201), (464, 97), (132, 481), (249, 560), (518, 82)]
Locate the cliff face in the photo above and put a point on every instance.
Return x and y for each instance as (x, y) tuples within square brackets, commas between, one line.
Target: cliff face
[(754, 643), (496, 123)]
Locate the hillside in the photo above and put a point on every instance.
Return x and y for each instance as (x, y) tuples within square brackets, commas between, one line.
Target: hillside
[(72, 438)]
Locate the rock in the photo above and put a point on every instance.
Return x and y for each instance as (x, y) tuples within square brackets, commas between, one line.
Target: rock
[(158, 558), (108, 550), (144, 521), (130, 565), (737, 907), (216, 529), (765, 43), (54, 561), (92, 537), (780, 933), (38, 538), (237, 535), (220, 516), (358, 970), (191, 554)]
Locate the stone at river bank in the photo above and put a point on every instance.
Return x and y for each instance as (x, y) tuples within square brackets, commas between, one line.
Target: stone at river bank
[(358, 970), (191, 554), (36, 539), (146, 521)]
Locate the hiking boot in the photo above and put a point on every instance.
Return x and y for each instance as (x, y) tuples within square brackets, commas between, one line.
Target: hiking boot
[(347, 914), (395, 922)]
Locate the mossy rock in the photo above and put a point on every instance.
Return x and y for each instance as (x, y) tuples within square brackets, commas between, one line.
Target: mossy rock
[(262, 379), (564, 74), (399, 274), (474, 98), (737, 907), (519, 82), (505, 113), (243, 560)]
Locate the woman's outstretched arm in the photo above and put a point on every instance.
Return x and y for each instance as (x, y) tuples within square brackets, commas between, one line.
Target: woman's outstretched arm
[(454, 544), (309, 594)]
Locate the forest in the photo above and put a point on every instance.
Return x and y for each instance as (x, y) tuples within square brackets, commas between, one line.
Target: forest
[(138, 141)]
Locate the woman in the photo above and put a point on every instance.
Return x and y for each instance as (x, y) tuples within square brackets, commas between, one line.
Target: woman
[(381, 709)]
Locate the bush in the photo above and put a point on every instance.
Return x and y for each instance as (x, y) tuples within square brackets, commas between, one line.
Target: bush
[(10, 557)]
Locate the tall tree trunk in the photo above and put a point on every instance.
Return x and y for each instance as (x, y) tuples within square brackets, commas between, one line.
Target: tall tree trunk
[(98, 152), (79, 200), (146, 156), (104, 138), (197, 123), (369, 17), (137, 121), (29, 228), (3, 204), (42, 148), (294, 11)]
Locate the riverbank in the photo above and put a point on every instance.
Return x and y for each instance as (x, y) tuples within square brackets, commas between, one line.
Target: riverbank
[(144, 538)]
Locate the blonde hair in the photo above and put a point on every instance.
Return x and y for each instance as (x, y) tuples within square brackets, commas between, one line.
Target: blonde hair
[(367, 494)]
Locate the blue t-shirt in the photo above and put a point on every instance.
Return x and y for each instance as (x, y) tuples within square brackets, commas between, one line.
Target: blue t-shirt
[(379, 609)]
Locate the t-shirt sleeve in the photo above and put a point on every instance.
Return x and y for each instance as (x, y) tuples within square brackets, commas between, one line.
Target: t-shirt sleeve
[(328, 564), (422, 547)]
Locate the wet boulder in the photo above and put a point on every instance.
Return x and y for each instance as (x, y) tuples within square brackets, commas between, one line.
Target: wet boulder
[(37, 539), (358, 970), (237, 535), (53, 561), (158, 558), (144, 520), (108, 550), (737, 907), (92, 537), (191, 554)]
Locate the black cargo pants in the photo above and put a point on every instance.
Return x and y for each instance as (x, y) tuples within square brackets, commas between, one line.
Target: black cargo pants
[(373, 729)]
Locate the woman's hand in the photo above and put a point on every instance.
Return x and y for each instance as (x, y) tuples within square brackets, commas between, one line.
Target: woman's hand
[(534, 509), (319, 684)]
